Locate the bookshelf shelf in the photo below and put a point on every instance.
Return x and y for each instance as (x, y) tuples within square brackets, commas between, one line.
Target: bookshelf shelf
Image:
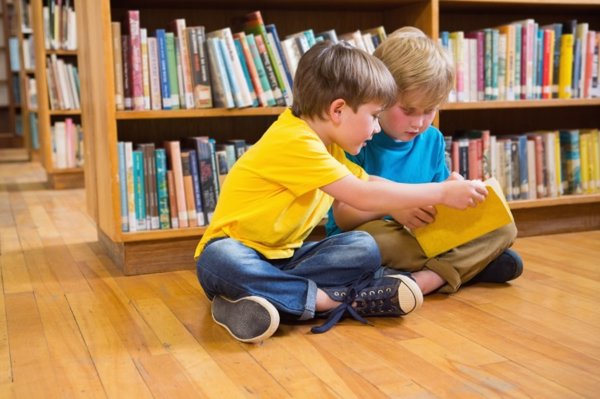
[(59, 175), (199, 113), (163, 250), (516, 104)]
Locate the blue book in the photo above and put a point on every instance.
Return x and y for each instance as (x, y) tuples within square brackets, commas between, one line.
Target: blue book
[(233, 83), (240, 52), (272, 29), (123, 187), (139, 189), (570, 159), (539, 65), (164, 212), (221, 88), (523, 167), (163, 68), (260, 70), (195, 172), (576, 69)]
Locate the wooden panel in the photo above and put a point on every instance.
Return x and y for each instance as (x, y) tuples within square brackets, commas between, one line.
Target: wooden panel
[(65, 180), (557, 219)]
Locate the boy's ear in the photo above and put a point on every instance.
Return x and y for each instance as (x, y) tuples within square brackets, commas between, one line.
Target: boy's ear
[(335, 110)]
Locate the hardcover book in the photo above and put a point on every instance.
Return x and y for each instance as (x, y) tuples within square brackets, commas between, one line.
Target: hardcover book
[(454, 227)]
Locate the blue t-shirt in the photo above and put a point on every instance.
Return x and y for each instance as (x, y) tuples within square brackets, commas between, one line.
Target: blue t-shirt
[(421, 160)]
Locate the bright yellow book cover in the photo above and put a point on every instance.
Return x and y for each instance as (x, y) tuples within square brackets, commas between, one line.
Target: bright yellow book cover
[(453, 227)]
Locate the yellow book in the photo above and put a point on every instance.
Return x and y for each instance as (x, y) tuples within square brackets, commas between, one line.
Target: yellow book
[(585, 167), (453, 227), (565, 68)]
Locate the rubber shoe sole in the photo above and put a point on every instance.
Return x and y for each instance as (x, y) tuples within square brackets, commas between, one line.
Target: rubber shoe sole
[(250, 319), (410, 296)]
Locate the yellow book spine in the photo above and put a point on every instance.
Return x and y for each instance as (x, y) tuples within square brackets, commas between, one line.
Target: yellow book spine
[(565, 69), (584, 144), (558, 175)]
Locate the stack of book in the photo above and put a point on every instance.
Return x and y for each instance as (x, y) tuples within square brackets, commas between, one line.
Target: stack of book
[(175, 186), (531, 165), (186, 67), (525, 60)]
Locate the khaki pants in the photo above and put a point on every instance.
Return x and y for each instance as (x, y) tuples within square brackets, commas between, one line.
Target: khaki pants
[(400, 250)]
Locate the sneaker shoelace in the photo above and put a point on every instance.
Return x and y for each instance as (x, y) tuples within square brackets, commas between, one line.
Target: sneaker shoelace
[(346, 305)]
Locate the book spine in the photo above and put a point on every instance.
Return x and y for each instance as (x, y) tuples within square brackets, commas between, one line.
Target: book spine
[(154, 71), (221, 90), (197, 190), (164, 217), (117, 63), (123, 187), (260, 70), (135, 60), (138, 186), (203, 92), (172, 200), (565, 79), (163, 69), (246, 71), (174, 154), (172, 71), (179, 27), (188, 187), (145, 67)]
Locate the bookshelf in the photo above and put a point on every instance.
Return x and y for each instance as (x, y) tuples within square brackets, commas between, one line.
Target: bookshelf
[(50, 43), (24, 109), (162, 250), (8, 133)]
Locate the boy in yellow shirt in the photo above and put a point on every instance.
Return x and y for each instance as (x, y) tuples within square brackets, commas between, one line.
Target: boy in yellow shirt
[(410, 150), (253, 261)]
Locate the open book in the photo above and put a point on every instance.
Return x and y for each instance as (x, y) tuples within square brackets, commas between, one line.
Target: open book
[(453, 227)]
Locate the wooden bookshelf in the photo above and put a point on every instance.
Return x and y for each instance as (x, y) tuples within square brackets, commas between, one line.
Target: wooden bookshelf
[(163, 250), (58, 178)]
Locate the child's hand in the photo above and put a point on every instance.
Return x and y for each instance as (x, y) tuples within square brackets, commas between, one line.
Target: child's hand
[(455, 176), (461, 194), (414, 217)]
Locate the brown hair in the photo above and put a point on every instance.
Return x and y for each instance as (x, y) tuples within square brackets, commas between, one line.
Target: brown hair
[(329, 71), (419, 65)]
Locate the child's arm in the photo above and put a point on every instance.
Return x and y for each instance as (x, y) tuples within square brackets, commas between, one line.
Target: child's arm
[(379, 196)]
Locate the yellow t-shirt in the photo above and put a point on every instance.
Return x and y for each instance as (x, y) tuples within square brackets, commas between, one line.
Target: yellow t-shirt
[(270, 200)]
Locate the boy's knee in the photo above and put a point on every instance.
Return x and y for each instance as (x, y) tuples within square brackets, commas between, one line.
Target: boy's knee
[(364, 247)]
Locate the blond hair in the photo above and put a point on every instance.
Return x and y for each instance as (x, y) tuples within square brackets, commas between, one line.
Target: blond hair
[(329, 71), (420, 66)]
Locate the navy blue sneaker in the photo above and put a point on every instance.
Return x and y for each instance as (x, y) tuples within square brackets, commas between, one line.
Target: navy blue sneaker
[(508, 266)]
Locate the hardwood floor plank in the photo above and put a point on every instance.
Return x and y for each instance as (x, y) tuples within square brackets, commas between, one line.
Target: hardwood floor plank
[(70, 357), (197, 363), (32, 369), (548, 358), (166, 378), (115, 367)]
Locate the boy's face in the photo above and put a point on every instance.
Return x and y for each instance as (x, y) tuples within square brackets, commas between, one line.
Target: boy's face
[(358, 127), (405, 121)]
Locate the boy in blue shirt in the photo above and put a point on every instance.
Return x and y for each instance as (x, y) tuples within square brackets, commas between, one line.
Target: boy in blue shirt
[(410, 150)]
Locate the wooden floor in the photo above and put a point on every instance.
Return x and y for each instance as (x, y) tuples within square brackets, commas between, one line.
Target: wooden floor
[(72, 326)]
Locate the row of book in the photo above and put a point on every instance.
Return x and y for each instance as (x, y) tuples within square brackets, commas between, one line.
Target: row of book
[(175, 186), (538, 164), (187, 67), (525, 60), (60, 25), (63, 83), (67, 144)]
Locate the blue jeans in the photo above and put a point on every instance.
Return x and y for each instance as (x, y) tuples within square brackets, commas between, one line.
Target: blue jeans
[(229, 268)]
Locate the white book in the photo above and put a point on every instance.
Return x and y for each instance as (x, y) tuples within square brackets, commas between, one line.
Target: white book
[(130, 187), (238, 73), (288, 89), (184, 59), (60, 145), (145, 69), (154, 74)]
